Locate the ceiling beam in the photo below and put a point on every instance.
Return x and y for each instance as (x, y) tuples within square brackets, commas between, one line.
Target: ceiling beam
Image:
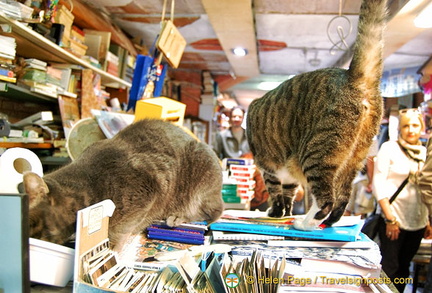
[(400, 28), (233, 23)]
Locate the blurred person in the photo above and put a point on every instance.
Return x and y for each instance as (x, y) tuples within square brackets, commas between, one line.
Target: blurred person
[(362, 201), (232, 142), (425, 183), (404, 221)]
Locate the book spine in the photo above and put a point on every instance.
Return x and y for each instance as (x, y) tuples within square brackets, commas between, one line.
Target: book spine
[(183, 227), (7, 78), (3, 87), (174, 231), (176, 239), (175, 235), (241, 236), (240, 161)]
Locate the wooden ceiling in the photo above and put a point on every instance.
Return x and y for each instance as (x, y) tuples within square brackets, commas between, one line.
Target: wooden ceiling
[(282, 37)]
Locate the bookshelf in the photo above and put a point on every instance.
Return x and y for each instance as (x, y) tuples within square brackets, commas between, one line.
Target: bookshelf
[(15, 92), (30, 44)]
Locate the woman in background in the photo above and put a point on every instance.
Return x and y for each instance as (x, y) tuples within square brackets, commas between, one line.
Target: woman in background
[(403, 222), (232, 142)]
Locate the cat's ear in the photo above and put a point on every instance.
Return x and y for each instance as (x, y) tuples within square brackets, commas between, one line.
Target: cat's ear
[(36, 188)]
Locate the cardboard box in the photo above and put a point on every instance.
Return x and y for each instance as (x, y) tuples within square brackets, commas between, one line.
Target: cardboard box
[(91, 237), (65, 17), (161, 108)]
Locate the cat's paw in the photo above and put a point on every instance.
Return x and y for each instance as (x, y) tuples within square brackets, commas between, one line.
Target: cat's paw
[(174, 221), (305, 225)]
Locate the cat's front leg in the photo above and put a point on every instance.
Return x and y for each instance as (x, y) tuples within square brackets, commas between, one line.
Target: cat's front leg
[(118, 240), (174, 221)]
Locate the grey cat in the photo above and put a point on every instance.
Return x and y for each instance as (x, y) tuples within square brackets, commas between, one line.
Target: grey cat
[(316, 128), (151, 170)]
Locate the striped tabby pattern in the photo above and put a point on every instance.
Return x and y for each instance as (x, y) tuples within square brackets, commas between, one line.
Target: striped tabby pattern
[(316, 128)]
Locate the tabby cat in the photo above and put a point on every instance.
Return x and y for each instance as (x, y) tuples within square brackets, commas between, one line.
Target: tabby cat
[(316, 128), (151, 170)]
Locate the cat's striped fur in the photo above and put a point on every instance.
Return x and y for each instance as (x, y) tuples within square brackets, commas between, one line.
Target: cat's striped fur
[(316, 128)]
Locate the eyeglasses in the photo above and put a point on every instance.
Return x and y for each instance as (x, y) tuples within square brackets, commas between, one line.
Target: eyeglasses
[(409, 111)]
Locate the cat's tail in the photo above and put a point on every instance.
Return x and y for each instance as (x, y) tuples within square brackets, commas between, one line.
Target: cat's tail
[(366, 66)]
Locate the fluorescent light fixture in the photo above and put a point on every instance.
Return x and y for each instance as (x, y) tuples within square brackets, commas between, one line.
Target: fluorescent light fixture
[(239, 51), (268, 85), (424, 19)]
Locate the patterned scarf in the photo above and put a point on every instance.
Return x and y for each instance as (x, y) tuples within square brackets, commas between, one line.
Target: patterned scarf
[(417, 154)]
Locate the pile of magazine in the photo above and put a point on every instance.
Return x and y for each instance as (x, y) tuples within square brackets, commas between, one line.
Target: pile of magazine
[(191, 233)]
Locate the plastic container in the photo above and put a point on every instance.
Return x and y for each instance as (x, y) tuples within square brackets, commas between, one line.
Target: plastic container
[(50, 263)]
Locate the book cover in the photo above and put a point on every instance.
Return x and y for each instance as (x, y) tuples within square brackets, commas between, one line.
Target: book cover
[(99, 42), (363, 242), (330, 233), (336, 266), (260, 224)]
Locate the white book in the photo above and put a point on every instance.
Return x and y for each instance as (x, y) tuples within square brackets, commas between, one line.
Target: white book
[(220, 235)]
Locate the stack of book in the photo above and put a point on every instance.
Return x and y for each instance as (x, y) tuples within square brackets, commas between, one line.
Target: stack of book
[(35, 78), (77, 44), (129, 68), (256, 222), (112, 64), (244, 176), (7, 55), (229, 193), (33, 63), (240, 172), (11, 9), (125, 63), (191, 233), (208, 84)]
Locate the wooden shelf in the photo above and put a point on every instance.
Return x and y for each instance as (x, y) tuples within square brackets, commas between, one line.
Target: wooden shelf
[(30, 44), (12, 91), (45, 145)]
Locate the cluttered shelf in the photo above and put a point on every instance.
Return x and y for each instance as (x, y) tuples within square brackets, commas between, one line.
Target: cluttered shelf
[(30, 44)]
